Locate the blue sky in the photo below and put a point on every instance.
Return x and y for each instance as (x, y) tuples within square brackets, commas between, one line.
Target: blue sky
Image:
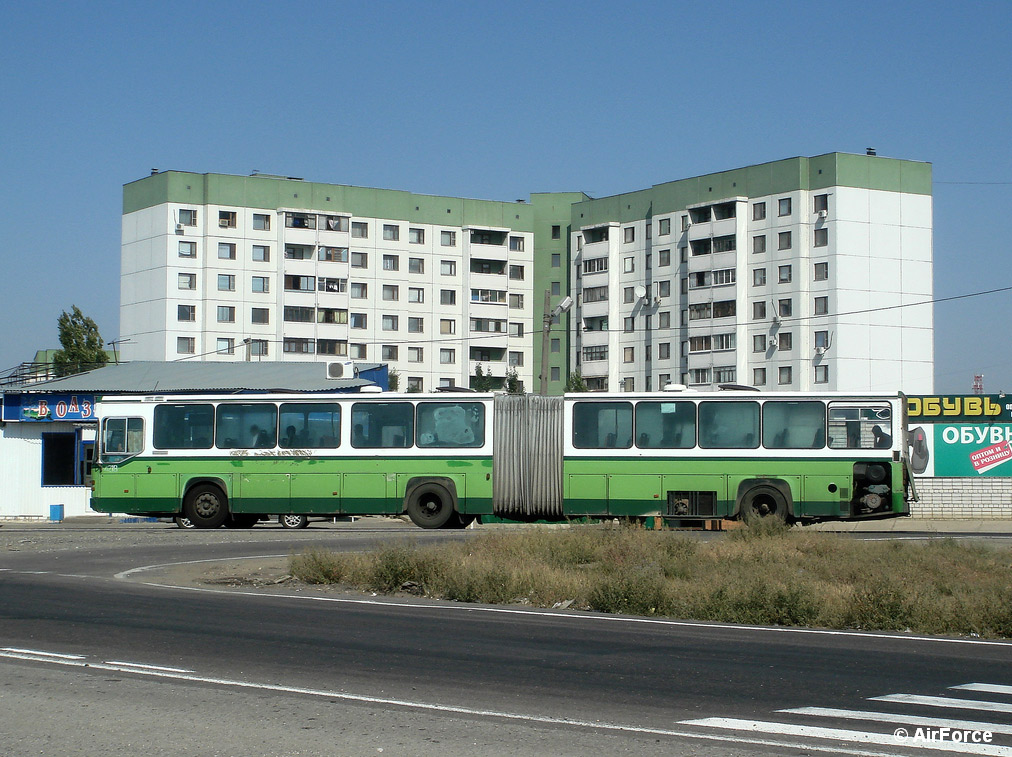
[(494, 100)]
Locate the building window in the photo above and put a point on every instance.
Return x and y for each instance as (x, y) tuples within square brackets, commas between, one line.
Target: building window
[(416, 265), (334, 254), (784, 274), (758, 211), (822, 374), (699, 376), (187, 281), (758, 277), (628, 294), (515, 329), (391, 232), (556, 288), (186, 312), (821, 237), (556, 260), (331, 315), (300, 283), (187, 217), (186, 345), (447, 356), (784, 374), (516, 359), (227, 219), (300, 220), (516, 301), (391, 292), (360, 260), (664, 351), (759, 243), (821, 271), (785, 341), (759, 311), (784, 240), (359, 290), (258, 347), (629, 355), (261, 253), (556, 345), (628, 265), (663, 227), (629, 234), (416, 236), (785, 207), (516, 244), (300, 346), (225, 346), (821, 339), (784, 308), (226, 282), (758, 377), (296, 314), (391, 263), (664, 320), (390, 322), (357, 351), (664, 288), (260, 315), (187, 249), (298, 252), (821, 203), (759, 343), (447, 326), (331, 347), (261, 222), (358, 320), (725, 375), (447, 296), (226, 251), (723, 277), (448, 267), (725, 244), (597, 352), (416, 294), (388, 352), (359, 230), (821, 305), (630, 324), (556, 231), (448, 238), (331, 285), (416, 354), (226, 314), (415, 325)]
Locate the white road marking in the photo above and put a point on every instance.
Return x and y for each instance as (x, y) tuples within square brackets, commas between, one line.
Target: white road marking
[(956, 704), (990, 688), (896, 718), (154, 671), (19, 650), (141, 666), (861, 737)]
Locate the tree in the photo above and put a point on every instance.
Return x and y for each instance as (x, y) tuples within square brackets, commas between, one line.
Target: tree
[(83, 348), (481, 381), (513, 383), (575, 383), (393, 380)]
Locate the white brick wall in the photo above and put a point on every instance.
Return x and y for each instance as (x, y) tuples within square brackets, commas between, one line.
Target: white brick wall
[(985, 498)]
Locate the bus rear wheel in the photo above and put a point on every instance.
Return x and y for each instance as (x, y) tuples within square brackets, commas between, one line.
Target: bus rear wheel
[(291, 520), (763, 504), (206, 506), (430, 506)]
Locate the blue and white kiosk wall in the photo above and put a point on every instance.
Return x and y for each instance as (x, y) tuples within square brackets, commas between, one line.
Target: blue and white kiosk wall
[(47, 443)]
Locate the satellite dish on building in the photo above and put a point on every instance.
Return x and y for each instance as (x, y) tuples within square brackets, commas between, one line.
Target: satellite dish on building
[(640, 291)]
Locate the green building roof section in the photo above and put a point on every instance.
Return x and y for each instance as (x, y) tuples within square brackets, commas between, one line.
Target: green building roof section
[(781, 176), (271, 193)]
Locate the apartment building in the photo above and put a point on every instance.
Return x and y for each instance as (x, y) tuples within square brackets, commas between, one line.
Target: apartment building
[(227, 268), (800, 274), (796, 275)]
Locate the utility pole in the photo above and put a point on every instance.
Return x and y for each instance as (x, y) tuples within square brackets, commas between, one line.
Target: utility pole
[(550, 315)]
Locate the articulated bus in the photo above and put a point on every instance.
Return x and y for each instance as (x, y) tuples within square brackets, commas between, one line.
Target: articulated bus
[(445, 459)]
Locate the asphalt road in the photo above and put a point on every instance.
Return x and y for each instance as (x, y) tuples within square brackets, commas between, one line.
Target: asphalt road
[(95, 661)]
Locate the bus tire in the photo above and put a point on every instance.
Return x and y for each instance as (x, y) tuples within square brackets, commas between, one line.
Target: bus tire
[(290, 520), (763, 503), (206, 506), (430, 505), (182, 521)]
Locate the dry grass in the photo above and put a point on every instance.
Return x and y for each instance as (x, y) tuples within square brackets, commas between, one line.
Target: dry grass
[(765, 575)]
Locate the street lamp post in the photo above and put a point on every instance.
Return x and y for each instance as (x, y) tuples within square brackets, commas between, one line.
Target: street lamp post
[(549, 315)]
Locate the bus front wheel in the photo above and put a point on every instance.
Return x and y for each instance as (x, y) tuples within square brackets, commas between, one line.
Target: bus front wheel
[(206, 506), (430, 506), (763, 504)]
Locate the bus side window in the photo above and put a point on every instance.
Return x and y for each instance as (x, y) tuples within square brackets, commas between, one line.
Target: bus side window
[(602, 425), (122, 438)]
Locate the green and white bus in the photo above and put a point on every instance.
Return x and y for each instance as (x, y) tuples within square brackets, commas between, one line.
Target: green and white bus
[(445, 459)]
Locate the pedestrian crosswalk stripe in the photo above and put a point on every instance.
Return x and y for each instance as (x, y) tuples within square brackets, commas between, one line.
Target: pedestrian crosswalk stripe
[(956, 704), (898, 719)]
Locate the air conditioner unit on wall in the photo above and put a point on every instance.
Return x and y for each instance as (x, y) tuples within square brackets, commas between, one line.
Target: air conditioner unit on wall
[(223, 222), (820, 350), (179, 227), (773, 342), (823, 213), (340, 369)]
